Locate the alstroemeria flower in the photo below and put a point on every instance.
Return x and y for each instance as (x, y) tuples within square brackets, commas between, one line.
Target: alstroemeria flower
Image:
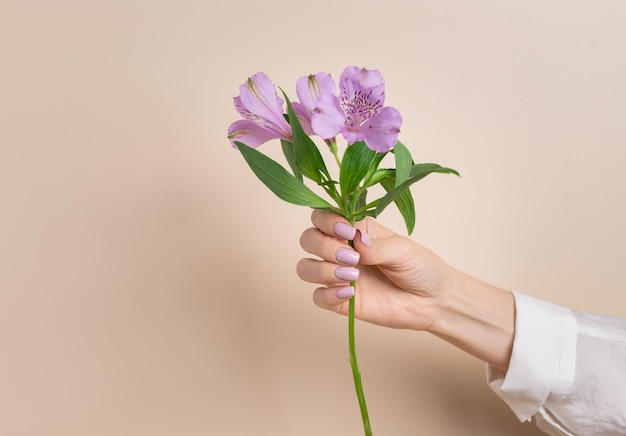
[(262, 111), (358, 112), (309, 89)]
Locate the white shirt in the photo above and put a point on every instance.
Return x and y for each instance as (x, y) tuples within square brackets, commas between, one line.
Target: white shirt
[(567, 370)]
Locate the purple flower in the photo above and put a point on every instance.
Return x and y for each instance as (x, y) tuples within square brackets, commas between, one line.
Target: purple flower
[(262, 111), (357, 113), (309, 89)]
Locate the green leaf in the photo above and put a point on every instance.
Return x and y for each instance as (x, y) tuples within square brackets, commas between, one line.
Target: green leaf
[(290, 154), (404, 162), (286, 186), (356, 163), (379, 175), (418, 172), (421, 170), (404, 202), (308, 159), (361, 201)]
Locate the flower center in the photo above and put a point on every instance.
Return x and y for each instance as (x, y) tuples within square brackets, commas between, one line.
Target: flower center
[(359, 107)]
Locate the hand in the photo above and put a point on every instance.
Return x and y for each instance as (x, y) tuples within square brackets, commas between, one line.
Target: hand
[(402, 284), (399, 281)]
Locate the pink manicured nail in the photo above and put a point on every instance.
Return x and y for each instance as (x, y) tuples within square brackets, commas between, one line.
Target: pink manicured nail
[(365, 239), (344, 292), (345, 255), (347, 273), (344, 231)]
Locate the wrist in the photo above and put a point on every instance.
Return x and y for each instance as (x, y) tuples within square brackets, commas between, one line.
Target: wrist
[(476, 317)]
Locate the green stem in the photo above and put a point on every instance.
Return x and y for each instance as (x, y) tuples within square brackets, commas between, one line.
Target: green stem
[(330, 189), (356, 374), (368, 206), (332, 145)]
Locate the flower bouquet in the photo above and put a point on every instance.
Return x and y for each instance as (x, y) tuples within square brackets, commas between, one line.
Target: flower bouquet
[(370, 129)]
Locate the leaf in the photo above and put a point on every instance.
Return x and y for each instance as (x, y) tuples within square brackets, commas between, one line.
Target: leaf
[(423, 169), (404, 162), (286, 186), (361, 201), (356, 163), (308, 159), (290, 155), (379, 175), (404, 202), (418, 172)]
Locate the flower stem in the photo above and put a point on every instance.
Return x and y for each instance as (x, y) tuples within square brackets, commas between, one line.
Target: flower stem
[(356, 374), (332, 145)]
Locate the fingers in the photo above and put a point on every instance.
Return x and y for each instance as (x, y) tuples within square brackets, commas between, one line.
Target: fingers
[(329, 241), (362, 233), (327, 273), (333, 298), (330, 249), (332, 225), (384, 247)]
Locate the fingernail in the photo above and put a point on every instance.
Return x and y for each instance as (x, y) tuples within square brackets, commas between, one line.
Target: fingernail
[(344, 292), (347, 273), (345, 255), (365, 239), (344, 231)]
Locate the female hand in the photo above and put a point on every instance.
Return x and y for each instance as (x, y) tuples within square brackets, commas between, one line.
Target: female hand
[(399, 281), (402, 284)]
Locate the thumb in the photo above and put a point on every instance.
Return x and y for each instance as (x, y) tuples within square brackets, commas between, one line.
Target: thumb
[(379, 245)]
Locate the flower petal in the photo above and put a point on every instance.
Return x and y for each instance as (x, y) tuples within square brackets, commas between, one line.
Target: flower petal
[(362, 93), (241, 108), (258, 97), (364, 77), (250, 133), (328, 118), (304, 116), (352, 134), (310, 87), (381, 131)]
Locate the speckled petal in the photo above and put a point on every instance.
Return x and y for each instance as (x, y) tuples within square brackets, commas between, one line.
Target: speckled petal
[(381, 131), (328, 118)]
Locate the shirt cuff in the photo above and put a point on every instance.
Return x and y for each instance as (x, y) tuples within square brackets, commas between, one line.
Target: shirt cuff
[(543, 361)]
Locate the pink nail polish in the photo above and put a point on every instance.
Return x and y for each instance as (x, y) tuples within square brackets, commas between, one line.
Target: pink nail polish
[(344, 292), (365, 239), (344, 231), (345, 255), (347, 273)]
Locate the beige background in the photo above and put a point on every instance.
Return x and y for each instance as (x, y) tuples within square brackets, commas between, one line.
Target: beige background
[(147, 282)]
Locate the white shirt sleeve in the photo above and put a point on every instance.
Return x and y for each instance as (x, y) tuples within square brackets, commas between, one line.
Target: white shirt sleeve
[(567, 370)]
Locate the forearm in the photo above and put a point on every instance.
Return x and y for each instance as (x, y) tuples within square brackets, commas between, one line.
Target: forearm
[(478, 318)]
